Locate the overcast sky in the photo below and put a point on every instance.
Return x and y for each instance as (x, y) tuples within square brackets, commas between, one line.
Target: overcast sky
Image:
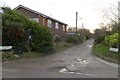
[(64, 10)]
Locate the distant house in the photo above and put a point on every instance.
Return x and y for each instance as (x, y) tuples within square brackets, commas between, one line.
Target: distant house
[(57, 27)]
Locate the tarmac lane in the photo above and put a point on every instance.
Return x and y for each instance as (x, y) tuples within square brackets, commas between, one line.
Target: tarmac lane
[(75, 62)]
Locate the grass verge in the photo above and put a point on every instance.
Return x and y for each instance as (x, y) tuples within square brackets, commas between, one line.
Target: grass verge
[(61, 46), (10, 56), (103, 52)]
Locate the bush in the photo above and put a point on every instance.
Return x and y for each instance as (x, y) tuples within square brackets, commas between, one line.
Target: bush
[(58, 39), (73, 39), (112, 40), (100, 40), (87, 37), (14, 23), (43, 40)]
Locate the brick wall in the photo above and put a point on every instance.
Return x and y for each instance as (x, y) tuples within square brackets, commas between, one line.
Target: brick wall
[(55, 31), (28, 13)]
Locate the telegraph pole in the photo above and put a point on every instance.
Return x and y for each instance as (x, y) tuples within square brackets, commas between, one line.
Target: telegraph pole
[(118, 25), (76, 20)]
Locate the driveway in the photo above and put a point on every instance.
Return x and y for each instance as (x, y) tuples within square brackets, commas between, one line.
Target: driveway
[(75, 62)]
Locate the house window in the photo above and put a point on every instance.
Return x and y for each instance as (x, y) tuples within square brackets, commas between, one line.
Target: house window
[(35, 19), (64, 28), (56, 25), (43, 21), (49, 23)]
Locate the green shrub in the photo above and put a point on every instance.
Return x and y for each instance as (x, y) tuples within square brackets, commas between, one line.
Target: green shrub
[(112, 40), (87, 37), (100, 40), (13, 27), (43, 40), (73, 39), (58, 39)]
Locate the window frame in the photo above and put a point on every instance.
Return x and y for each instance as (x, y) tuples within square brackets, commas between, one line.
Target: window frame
[(34, 19), (49, 23), (64, 27), (56, 25)]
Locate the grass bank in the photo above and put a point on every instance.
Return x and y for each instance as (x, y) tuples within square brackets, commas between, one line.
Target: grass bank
[(103, 52), (62, 46), (10, 56)]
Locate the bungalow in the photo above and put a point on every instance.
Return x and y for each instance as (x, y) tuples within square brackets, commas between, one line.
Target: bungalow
[(56, 27)]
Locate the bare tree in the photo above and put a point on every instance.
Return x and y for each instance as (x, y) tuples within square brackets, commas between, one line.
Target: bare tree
[(112, 18)]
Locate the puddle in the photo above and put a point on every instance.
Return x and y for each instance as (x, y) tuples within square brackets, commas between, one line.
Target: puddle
[(82, 61), (71, 72), (72, 68), (55, 68), (63, 70), (91, 75), (90, 46), (79, 59), (78, 73), (72, 65)]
